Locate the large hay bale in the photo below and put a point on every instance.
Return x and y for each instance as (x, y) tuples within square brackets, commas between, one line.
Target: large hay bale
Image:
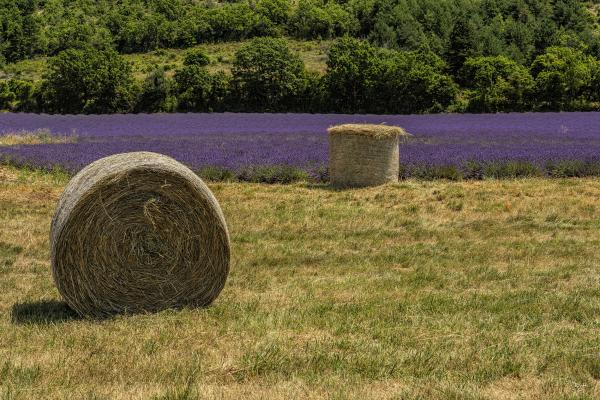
[(138, 232), (364, 154)]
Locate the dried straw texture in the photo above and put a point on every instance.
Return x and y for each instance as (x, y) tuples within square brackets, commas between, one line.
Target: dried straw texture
[(370, 130), (138, 232), (360, 160)]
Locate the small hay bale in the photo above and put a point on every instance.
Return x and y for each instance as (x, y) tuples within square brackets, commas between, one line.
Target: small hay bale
[(364, 155), (138, 232)]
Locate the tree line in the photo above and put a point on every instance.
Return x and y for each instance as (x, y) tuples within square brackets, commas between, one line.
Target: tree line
[(266, 76), (452, 29)]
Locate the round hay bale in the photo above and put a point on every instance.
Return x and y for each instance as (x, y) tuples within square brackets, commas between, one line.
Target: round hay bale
[(138, 232), (364, 155)]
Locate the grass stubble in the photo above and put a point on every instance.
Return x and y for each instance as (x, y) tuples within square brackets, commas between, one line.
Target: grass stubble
[(417, 290)]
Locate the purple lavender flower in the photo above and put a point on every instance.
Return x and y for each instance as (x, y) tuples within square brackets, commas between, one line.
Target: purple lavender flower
[(237, 141)]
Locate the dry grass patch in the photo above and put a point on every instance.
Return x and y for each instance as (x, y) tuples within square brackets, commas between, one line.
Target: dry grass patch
[(40, 136), (375, 293)]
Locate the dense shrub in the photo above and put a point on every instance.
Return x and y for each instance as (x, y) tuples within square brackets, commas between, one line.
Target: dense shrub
[(511, 169), (572, 168), (282, 174), (272, 174), (196, 57)]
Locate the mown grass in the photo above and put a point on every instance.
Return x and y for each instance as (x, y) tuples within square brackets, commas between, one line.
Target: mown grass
[(419, 290), (312, 52)]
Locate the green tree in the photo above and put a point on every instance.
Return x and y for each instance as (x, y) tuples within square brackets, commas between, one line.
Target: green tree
[(198, 90), (267, 75), (399, 28), (194, 88), (497, 84), (17, 95), (594, 94), (463, 41), (7, 97), (221, 92), (352, 68), (412, 82), (277, 11), (315, 19), (362, 78), (274, 16), (157, 93), (19, 29), (88, 81), (234, 21), (563, 78), (24, 95)]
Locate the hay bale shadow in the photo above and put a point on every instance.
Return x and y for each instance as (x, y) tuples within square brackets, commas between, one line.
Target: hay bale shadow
[(42, 312)]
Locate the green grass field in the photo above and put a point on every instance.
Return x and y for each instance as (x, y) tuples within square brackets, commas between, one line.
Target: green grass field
[(312, 52), (418, 290)]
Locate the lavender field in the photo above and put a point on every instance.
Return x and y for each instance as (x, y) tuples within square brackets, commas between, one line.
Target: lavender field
[(284, 147)]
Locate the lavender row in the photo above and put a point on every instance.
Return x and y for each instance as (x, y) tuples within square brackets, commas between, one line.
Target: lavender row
[(244, 146), (493, 126)]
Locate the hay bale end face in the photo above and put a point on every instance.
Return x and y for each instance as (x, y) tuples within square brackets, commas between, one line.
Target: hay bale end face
[(364, 154), (138, 232)]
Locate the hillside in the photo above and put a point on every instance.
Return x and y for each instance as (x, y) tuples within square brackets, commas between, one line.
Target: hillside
[(312, 52), (450, 28), (356, 56)]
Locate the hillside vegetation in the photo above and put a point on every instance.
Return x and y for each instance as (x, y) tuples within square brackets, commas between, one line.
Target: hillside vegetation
[(452, 29), (453, 55), (312, 52)]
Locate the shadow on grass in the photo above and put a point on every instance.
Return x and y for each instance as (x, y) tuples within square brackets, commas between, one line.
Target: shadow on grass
[(42, 312)]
